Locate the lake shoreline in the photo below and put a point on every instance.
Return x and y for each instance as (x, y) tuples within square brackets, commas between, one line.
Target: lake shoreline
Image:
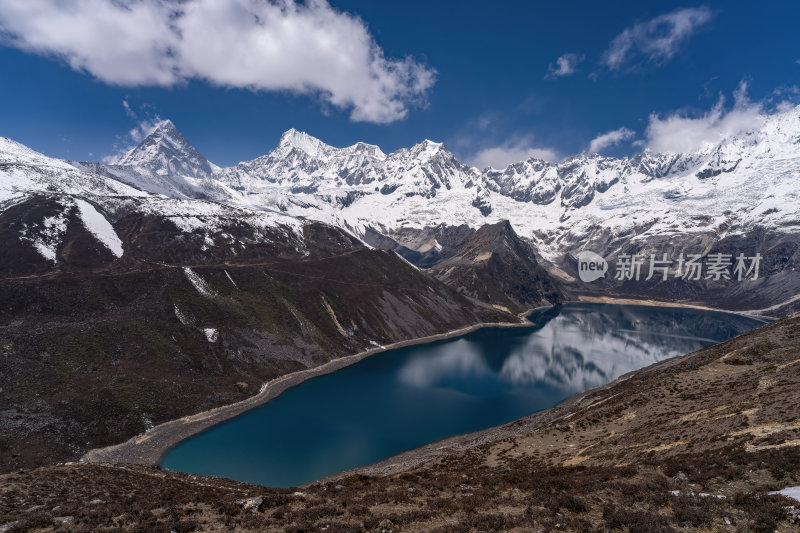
[(149, 448), (658, 303)]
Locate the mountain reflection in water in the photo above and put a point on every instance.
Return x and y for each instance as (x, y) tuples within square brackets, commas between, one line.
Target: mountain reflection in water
[(575, 347)]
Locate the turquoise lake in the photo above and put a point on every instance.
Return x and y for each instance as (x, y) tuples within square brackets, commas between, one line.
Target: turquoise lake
[(401, 399)]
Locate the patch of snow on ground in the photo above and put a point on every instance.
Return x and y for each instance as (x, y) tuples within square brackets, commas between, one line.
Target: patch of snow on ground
[(101, 228), (211, 334), (189, 224), (789, 492), (10, 198), (48, 236), (199, 284), (231, 279), (185, 320)]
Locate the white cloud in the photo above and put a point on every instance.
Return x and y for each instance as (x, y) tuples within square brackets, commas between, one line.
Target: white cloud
[(564, 66), (610, 138), (128, 110), (680, 133), (657, 39), (308, 48), (144, 128), (787, 90), (512, 151)]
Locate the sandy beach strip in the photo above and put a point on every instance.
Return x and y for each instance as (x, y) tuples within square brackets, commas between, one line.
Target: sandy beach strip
[(756, 313)]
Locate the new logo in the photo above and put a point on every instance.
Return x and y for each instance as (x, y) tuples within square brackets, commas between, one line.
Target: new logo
[(591, 266)]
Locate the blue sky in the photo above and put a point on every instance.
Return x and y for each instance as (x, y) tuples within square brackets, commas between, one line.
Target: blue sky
[(85, 79)]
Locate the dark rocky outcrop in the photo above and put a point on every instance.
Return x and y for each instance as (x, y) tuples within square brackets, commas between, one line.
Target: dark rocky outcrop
[(491, 264), (494, 265)]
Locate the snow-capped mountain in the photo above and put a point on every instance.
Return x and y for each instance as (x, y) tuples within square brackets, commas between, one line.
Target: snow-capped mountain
[(741, 193), (743, 186), (167, 153), (743, 182), (46, 203), (302, 164), (24, 171), (165, 163)]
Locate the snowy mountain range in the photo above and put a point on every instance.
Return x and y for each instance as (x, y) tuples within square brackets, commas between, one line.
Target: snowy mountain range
[(744, 184)]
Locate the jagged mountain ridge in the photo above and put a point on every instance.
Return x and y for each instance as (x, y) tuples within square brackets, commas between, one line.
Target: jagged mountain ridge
[(45, 220), (305, 165), (742, 182), (44, 201), (741, 191)]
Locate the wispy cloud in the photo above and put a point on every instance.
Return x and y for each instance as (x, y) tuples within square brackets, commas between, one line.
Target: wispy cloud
[(128, 110), (145, 125), (513, 150), (657, 39), (610, 138), (144, 128), (566, 65), (282, 45), (679, 132), (789, 91)]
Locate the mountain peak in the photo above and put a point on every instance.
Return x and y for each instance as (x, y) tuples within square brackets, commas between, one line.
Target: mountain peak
[(370, 150), (166, 151), (428, 149), (432, 145), (303, 141), (166, 126)]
